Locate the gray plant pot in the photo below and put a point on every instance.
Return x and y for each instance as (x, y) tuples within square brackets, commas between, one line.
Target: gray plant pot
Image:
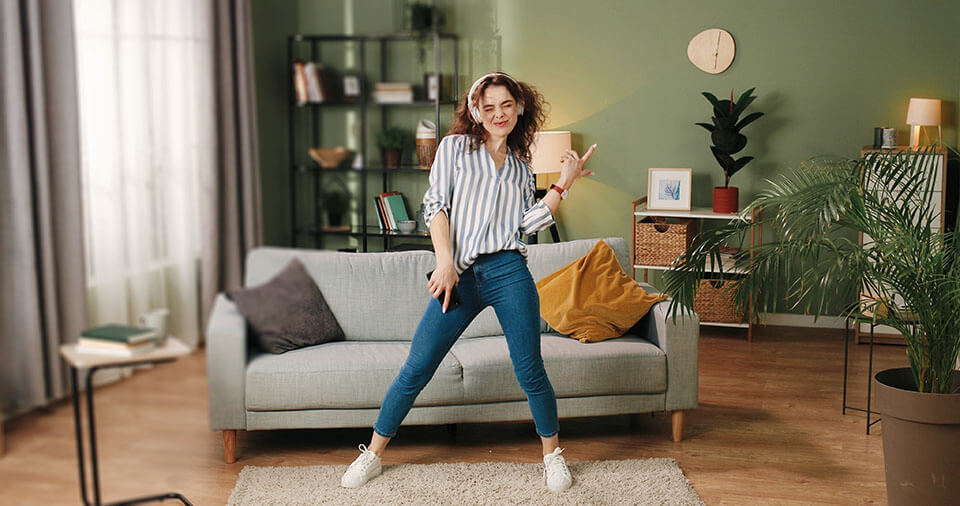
[(921, 440)]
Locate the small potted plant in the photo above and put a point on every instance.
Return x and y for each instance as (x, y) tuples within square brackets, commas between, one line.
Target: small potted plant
[(392, 141), (727, 140), (336, 203)]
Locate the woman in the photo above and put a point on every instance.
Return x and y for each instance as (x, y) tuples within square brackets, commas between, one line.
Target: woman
[(480, 201)]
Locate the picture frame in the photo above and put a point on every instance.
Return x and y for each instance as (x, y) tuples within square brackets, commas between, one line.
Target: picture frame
[(351, 88), (669, 189), (432, 86)]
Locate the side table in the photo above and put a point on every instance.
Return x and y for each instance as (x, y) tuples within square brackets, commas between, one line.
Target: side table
[(170, 351), (857, 320)]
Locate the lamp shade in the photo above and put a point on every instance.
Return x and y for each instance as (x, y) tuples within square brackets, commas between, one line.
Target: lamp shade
[(923, 112), (547, 149)]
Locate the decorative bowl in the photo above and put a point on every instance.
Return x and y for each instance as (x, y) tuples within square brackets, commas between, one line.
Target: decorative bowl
[(329, 158), (407, 226)]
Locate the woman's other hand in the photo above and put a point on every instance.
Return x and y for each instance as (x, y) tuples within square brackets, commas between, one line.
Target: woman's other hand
[(443, 279)]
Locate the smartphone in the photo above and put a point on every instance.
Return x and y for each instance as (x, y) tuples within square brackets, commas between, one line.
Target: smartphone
[(454, 295)]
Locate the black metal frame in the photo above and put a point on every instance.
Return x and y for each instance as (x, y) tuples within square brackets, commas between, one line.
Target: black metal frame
[(846, 353), (95, 474), (363, 232)]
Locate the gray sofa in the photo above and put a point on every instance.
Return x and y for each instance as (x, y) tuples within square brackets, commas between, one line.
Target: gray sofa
[(378, 299)]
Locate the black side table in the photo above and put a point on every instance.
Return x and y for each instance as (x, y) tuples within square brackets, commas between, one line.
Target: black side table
[(170, 351), (857, 320)]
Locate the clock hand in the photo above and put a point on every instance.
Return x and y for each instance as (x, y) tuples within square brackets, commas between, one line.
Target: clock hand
[(716, 55)]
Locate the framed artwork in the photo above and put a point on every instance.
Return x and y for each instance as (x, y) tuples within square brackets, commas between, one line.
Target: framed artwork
[(669, 189), (351, 88)]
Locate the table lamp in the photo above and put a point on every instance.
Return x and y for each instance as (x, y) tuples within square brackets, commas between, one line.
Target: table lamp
[(922, 112), (545, 153), (547, 149)]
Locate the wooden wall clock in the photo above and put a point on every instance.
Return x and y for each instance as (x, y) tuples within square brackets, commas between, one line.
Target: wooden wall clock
[(712, 50)]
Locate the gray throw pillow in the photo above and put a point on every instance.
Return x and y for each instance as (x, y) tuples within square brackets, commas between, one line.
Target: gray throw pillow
[(287, 312)]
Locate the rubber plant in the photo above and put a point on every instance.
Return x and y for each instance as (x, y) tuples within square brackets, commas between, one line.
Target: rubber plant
[(725, 133)]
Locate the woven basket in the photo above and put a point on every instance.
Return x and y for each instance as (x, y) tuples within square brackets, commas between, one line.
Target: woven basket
[(716, 302), (661, 243)]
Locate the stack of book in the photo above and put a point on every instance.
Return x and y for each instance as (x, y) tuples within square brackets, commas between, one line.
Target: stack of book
[(119, 340), (391, 209), (393, 93), (309, 83)]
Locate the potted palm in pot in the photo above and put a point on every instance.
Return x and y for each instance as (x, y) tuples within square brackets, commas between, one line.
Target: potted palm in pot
[(906, 276), (727, 141)]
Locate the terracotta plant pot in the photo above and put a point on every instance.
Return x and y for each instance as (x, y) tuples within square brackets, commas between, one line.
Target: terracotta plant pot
[(726, 200), (391, 158), (920, 434)]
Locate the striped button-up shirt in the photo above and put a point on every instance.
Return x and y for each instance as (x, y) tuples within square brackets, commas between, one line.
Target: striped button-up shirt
[(487, 208)]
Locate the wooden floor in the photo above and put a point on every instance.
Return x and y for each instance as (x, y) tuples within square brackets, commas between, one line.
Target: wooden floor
[(768, 431)]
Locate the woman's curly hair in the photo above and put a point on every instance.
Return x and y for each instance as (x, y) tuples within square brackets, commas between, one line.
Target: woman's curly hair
[(520, 139)]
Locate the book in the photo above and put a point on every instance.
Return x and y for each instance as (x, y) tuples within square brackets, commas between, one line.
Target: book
[(397, 207), (393, 97), (316, 83), (300, 82), (388, 210), (393, 93), (122, 334), (379, 207), (87, 342), (117, 352)]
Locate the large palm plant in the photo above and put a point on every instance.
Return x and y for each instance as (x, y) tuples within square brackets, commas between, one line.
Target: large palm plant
[(908, 268)]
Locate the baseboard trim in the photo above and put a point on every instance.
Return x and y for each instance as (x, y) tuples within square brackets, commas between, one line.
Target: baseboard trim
[(802, 320)]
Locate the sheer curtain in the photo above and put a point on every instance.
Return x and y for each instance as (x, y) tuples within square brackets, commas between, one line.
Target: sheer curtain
[(147, 123)]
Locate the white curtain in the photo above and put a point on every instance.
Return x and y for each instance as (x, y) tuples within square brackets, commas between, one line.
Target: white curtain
[(147, 123)]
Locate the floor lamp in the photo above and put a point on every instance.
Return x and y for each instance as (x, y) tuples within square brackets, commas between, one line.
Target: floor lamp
[(548, 147)]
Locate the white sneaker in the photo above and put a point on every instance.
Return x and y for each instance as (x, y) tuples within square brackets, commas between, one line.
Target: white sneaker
[(555, 471), (365, 467)]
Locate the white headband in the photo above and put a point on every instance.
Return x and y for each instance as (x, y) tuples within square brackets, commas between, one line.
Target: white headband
[(475, 111)]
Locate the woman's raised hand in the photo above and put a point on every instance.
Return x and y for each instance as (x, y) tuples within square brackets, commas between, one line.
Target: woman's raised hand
[(571, 165)]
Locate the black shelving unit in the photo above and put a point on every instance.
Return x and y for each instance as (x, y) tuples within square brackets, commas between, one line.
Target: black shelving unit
[(310, 46)]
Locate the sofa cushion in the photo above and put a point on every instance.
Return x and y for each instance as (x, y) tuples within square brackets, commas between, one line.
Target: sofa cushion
[(342, 374), (288, 311), (592, 299), (545, 259), (629, 365)]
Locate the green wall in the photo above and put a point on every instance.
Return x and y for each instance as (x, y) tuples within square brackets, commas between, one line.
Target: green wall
[(826, 73), (616, 73)]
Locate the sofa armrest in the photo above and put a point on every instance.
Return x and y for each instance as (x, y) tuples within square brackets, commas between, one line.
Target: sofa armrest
[(226, 365), (679, 340)]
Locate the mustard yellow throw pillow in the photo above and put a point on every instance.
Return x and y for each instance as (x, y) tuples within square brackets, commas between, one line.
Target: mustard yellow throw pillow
[(592, 299)]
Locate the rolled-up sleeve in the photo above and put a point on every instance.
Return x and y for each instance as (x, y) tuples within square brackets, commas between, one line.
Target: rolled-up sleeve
[(536, 216), (439, 195)]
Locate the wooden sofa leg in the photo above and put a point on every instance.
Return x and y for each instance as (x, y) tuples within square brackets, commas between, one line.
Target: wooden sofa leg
[(676, 418), (230, 446)]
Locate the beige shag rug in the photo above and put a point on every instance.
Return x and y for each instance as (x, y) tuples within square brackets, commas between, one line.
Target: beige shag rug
[(646, 481)]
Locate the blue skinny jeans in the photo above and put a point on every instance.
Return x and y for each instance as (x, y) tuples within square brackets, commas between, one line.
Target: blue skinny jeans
[(503, 281)]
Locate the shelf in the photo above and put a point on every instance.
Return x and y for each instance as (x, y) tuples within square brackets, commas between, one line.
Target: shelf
[(727, 261), (696, 212), (374, 170), (306, 127), (371, 230)]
